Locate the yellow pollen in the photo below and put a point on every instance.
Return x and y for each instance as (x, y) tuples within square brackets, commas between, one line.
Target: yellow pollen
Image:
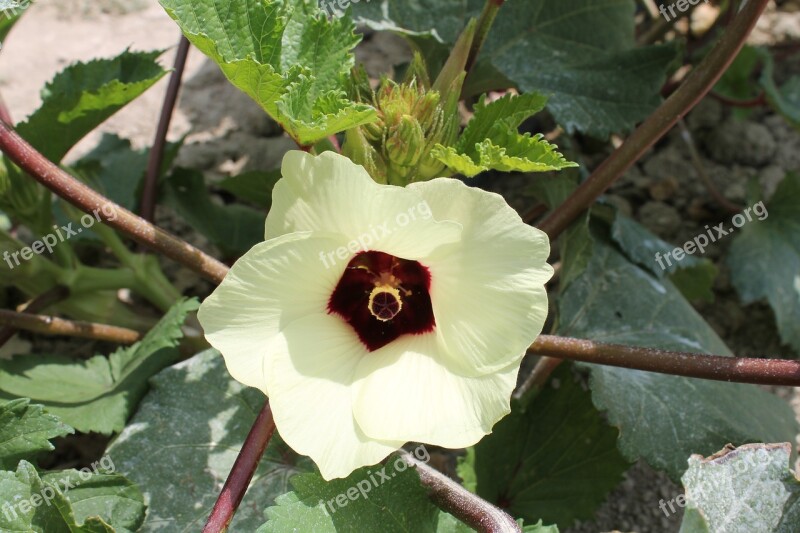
[(385, 302)]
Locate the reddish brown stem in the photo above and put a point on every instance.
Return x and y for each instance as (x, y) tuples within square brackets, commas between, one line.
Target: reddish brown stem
[(693, 365), (696, 86), (58, 326), (156, 159), (5, 114), (90, 201), (461, 503), (242, 472), (38, 304)]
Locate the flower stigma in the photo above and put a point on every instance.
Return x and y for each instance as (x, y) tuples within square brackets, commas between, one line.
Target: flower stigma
[(385, 302), (383, 297)]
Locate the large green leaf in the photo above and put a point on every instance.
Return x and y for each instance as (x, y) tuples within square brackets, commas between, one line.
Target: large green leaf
[(285, 55), (785, 99), (693, 275), (764, 258), (26, 430), (98, 394), (661, 418), (554, 459), (580, 53), (182, 442), (70, 501), (234, 229), (743, 490), (392, 501), (510, 110), (84, 95), (253, 187)]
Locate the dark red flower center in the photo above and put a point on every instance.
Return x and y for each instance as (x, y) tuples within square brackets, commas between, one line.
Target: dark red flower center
[(383, 297)]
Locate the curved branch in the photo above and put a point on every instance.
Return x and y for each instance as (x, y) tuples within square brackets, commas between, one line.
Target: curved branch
[(90, 201), (692, 365), (58, 326), (242, 472), (156, 159), (38, 304), (697, 84), (461, 503)]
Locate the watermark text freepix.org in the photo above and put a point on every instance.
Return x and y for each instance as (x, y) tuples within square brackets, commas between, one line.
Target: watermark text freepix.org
[(373, 480), (336, 8), (748, 462), (361, 244), (682, 5), (48, 493), (62, 233), (713, 234), (12, 8)]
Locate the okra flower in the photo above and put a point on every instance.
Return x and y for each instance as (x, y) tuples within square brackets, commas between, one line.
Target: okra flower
[(374, 315)]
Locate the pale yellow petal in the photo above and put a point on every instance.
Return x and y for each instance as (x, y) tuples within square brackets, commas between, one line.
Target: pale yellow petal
[(487, 293), (330, 193), (310, 368), (405, 391), (273, 284)]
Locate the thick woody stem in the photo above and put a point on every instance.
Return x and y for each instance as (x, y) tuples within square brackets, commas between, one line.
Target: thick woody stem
[(90, 201), (461, 503), (58, 326), (696, 86)]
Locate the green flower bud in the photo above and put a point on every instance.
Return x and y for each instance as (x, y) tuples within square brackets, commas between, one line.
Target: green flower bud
[(360, 150), (413, 117), (405, 142), (411, 121)]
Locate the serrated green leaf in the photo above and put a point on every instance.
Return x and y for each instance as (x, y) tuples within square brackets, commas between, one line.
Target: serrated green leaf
[(510, 110), (363, 501), (285, 55), (513, 153), (93, 492), (743, 490), (84, 95), (764, 258), (98, 394), (491, 140), (613, 300), (192, 423), (580, 53), (234, 229), (69, 501), (253, 187), (26, 430), (554, 459)]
